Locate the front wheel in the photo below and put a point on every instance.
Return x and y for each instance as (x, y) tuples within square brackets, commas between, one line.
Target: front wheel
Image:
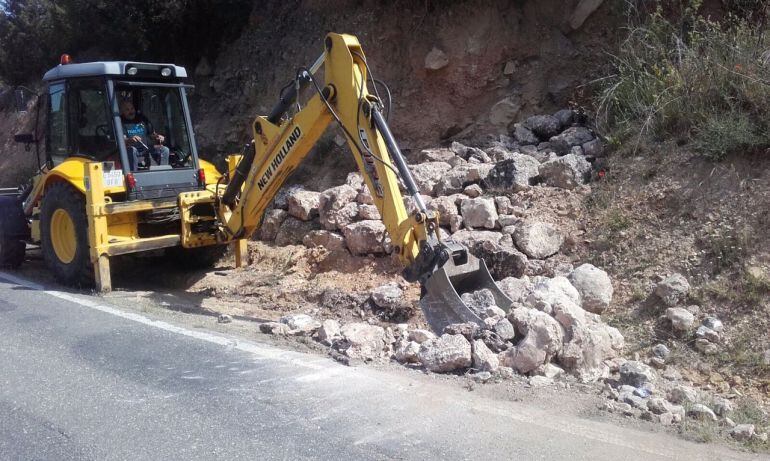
[(64, 235)]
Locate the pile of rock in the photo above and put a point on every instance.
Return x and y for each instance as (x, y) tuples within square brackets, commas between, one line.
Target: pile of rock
[(546, 333), (672, 292), (474, 190), (638, 390)]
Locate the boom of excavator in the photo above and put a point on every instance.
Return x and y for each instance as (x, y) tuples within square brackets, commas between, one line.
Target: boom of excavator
[(284, 138)]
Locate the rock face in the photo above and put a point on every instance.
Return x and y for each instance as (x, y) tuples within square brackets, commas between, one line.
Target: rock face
[(479, 212), (673, 289), (366, 237), (594, 286), (566, 172), (363, 341), (538, 240), (447, 353)]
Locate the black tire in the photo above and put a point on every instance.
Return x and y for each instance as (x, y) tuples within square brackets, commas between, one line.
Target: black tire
[(11, 252), (79, 271), (196, 258)]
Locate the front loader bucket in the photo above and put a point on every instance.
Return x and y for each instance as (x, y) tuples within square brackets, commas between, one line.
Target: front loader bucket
[(441, 301)]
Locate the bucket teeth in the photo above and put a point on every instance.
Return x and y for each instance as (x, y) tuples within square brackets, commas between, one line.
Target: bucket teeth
[(441, 302)]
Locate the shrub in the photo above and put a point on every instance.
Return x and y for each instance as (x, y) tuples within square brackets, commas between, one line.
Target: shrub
[(691, 78)]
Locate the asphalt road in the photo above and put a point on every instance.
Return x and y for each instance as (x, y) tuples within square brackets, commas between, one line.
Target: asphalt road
[(81, 379)]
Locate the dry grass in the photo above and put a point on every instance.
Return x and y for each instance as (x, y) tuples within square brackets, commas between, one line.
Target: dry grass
[(690, 79)]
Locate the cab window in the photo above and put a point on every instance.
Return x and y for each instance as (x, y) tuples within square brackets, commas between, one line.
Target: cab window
[(161, 109), (91, 125), (56, 134)]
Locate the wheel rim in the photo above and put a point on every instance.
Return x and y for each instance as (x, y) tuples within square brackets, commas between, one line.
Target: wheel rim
[(63, 236)]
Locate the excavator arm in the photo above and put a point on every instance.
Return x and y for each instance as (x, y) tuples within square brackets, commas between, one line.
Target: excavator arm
[(283, 139)]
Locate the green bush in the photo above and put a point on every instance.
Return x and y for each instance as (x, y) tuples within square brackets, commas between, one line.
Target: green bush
[(693, 79)]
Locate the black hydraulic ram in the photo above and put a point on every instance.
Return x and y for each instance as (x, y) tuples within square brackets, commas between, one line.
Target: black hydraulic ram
[(288, 98), (398, 158)]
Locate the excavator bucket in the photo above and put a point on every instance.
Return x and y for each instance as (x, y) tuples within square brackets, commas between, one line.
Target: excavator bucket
[(464, 273)]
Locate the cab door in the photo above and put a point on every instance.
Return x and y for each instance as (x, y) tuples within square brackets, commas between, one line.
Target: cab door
[(57, 128)]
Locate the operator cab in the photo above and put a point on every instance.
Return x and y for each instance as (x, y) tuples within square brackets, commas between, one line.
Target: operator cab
[(84, 120)]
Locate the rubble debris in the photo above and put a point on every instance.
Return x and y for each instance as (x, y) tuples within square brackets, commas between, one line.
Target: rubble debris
[(538, 240), (672, 290), (681, 319), (328, 332), (362, 341), (594, 286), (303, 204), (224, 318), (446, 353), (567, 172), (366, 237)]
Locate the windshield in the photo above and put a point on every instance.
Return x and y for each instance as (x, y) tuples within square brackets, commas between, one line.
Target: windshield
[(154, 128)]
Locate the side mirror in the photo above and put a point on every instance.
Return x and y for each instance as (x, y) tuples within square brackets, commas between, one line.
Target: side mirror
[(26, 138)]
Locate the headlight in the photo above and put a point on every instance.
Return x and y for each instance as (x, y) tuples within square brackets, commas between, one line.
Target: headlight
[(166, 72), (132, 71)]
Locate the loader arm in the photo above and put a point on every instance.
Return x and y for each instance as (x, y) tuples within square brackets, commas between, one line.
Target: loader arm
[(281, 142)]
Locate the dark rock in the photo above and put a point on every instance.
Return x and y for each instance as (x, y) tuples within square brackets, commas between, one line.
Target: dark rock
[(593, 149), (543, 126), (574, 136), (493, 341), (293, 230), (513, 175), (503, 260), (565, 117), (524, 136), (468, 329)]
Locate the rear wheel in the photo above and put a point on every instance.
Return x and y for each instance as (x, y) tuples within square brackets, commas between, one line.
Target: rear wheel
[(13, 232), (64, 235), (196, 258), (11, 252)]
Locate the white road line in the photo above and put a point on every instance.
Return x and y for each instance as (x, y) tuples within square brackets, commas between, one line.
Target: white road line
[(324, 369), (262, 352)]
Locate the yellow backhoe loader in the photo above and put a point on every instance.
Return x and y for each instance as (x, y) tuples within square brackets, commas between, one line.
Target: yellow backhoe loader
[(91, 201)]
